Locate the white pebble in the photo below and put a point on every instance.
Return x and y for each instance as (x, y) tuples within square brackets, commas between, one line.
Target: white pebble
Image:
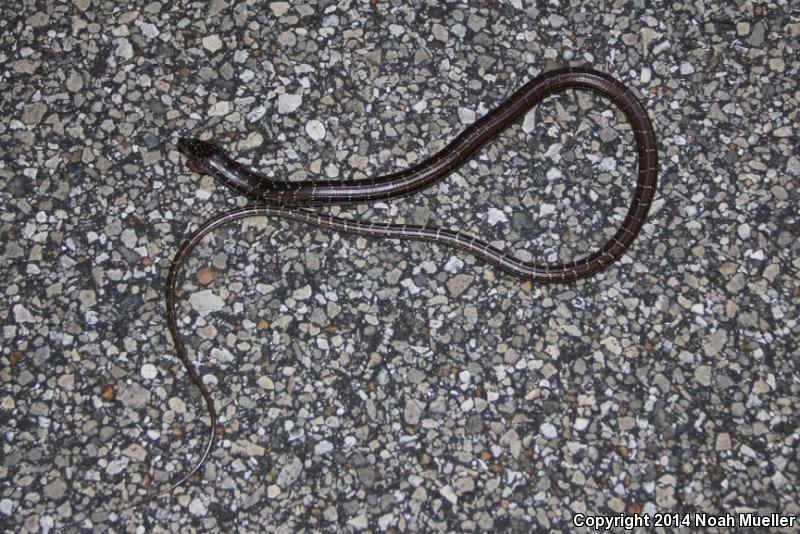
[(581, 423), (256, 113), (331, 170), (117, 466), (744, 230), (410, 286), (148, 30), (21, 314), (608, 164), (288, 102), (496, 216), (315, 130), (529, 122), (466, 116), (302, 293), (554, 173), (47, 523), (149, 371), (212, 43), (254, 140), (205, 302), (128, 237), (323, 447), (359, 522), (265, 382), (546, 209), (210, 380), (453, 265), (6, 506), (197, 507), (124, 49), (219, 109), (279, 8), (448, 493), (385, 520), (247, 75), (177, 405), (548, 430)]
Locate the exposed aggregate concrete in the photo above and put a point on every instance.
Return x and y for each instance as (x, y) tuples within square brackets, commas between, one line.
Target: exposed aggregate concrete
[(377, 385)]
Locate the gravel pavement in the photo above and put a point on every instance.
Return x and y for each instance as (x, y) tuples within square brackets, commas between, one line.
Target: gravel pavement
[(389, 386)]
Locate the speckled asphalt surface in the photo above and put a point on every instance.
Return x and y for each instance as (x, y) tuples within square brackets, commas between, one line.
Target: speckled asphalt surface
[(385, 386)]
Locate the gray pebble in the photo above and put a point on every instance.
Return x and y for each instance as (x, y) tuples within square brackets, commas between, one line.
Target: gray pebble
[(412, 411), (55, 490), (134, 396), (459, 283), (289, 472), (367, 476), (33, 113), (439, 33), (25, 378), (74, 82)]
